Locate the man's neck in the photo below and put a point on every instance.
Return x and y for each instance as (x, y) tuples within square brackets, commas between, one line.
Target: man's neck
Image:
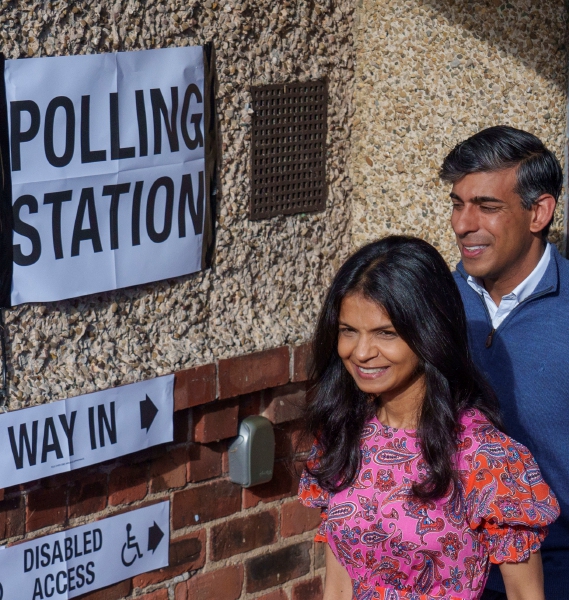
[(501, 286)]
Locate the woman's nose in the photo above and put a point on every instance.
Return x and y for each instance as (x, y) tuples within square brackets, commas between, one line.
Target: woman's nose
[(366, 349)]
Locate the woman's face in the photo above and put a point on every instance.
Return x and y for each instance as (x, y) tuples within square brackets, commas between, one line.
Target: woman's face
[(380, 361)]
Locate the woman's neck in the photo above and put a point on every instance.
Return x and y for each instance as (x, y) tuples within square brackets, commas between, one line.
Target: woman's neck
[(401, 409)]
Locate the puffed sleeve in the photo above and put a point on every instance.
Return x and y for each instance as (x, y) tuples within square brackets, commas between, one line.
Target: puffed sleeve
[(312, 495), (509, 500)]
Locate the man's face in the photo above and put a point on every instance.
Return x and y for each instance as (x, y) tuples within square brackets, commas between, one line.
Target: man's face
[(492, 228)]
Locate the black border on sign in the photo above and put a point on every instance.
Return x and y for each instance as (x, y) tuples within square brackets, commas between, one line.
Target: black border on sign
[(6, 217), (211, 155)]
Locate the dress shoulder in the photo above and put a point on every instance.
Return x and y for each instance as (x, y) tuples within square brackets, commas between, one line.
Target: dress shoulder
[(309, 491), (311, 494), (506, 496)]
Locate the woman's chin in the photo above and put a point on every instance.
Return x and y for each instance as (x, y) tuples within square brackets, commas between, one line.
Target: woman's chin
[(371, 387)]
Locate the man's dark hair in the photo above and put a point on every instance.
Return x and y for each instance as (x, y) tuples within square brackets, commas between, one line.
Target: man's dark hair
[(503, 147)]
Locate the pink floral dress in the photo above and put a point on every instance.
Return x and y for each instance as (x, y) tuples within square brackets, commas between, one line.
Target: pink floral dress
[(395, 546)]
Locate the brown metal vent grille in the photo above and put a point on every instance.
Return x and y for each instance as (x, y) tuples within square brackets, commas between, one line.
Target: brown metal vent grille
[(288, 149)]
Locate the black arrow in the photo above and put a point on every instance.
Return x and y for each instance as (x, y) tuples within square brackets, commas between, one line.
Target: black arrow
[(147, 413), (155, 535)]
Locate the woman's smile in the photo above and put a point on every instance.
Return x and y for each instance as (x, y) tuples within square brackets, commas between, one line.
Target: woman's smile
[(370, 372)]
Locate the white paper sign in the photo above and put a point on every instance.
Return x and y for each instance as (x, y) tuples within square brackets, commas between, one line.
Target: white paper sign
[(74, 433), (108, 170), (70, 563)]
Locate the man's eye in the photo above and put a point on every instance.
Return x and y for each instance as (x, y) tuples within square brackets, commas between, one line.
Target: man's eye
[(488, 209), (456, 206)]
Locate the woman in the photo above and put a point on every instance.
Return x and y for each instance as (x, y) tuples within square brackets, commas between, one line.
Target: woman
[(420, 490)]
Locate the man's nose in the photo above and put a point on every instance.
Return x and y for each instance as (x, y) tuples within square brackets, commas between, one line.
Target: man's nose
[(465, 220)]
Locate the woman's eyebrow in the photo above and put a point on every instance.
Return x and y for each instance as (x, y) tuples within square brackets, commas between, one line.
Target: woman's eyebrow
[(380, 328)]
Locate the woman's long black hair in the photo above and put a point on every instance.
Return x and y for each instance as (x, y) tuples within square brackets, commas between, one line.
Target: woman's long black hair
[(410, 280)]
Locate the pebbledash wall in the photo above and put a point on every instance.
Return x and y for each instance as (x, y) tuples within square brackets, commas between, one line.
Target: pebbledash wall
[(268, 276), (238, 327), (428, 73), (431, 73)]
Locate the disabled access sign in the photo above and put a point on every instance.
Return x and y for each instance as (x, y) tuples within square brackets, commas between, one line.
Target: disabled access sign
[(86, 558)]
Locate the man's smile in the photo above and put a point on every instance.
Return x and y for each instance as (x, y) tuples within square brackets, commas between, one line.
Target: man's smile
[(472, 250)]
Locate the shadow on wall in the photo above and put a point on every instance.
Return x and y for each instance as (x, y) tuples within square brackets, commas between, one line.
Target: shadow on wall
[(534, 32)]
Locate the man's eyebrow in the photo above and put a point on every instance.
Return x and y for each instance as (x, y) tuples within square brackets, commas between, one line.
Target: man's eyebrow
[(478, 199)]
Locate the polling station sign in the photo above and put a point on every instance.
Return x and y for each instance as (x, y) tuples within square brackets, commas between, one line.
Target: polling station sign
[(110, 171), (86, 558), (70, 434)]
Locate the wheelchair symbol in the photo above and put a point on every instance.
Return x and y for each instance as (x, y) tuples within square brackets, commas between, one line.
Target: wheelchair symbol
[(129, 545)]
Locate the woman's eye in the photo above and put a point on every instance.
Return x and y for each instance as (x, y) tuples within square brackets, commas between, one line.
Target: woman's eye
[(387, 334)]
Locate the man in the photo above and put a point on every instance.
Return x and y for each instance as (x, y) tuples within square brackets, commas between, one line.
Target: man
[(515, 288)]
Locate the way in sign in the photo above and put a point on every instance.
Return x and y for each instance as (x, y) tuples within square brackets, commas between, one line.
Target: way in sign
[(85, 430), (70, 563)]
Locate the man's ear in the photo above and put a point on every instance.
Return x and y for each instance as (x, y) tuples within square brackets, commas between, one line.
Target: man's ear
[(542, 212)]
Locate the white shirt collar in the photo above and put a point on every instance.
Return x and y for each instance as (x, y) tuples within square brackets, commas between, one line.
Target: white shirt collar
[(517, 295)]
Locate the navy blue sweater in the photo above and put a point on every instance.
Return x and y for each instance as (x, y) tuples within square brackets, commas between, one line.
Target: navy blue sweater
[(527, 364)]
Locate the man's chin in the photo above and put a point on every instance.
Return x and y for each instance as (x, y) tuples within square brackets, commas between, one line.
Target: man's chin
[(476, 267)]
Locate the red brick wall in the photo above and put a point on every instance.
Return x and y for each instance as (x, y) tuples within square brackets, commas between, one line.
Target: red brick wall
[(226, 542)]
